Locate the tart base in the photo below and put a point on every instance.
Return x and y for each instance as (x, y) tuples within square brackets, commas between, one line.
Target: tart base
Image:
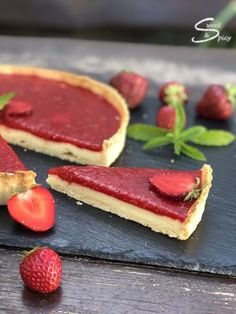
[(65, 151), (171, 227), (18, 182)]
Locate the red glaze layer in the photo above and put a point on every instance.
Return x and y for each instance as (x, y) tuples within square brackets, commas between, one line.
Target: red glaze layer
[(61, 112), (9, 162), (127, 184)]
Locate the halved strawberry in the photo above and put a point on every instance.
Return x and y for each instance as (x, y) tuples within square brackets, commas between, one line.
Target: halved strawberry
[(34, 209), (18, 108), (177, 185)]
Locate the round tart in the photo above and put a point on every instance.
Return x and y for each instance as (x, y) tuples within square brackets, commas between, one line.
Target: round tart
[(61, 114)]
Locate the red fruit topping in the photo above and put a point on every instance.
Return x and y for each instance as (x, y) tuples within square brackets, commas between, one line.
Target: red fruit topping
[(41, 270), (179, 185), (172, 93), (34, 209), (18, 108), (217, 102), (132, 86), (166, 117)]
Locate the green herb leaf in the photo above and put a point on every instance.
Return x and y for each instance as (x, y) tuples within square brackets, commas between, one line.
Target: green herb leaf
[(180, 118), (177, 147), (157, 141), (192, 132), (4, 99), (192, 152), (144, 132), (214, 138)]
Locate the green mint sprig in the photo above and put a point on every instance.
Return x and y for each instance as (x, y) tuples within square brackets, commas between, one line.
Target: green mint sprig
[(155, 137), (4, 99)]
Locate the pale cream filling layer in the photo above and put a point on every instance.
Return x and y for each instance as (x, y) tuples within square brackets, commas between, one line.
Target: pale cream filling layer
[(65, 151)]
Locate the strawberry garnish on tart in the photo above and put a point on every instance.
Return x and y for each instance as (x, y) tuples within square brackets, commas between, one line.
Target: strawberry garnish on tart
[(178, 185), (132, 86), (217, 102), (128, 192), (34, 209), (41, 270), (173, 92), (18, 108)]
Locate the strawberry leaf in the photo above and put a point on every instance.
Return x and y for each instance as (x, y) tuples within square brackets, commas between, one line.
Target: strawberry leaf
[(157, 141), (192, 152), (214, 138), (231, 93), (4, 99), (144, 132), (175, 94), (192, 132)]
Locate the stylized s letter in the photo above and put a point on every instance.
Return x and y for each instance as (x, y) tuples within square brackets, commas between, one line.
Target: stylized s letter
[(201, 29)]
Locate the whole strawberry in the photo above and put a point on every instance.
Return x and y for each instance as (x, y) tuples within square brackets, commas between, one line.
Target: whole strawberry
[(132, 86), (172, 93), (166, 117), (217, 103), (41, 270)]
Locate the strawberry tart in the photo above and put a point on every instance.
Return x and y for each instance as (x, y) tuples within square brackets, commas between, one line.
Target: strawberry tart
[(14, 176), (64, 115), (168, 201)]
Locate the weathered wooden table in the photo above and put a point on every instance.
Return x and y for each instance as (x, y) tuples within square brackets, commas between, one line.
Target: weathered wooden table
[(96, 286)]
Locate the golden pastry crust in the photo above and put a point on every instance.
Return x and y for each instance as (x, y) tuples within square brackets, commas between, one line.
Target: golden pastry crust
[(11, 183), (112, 147), (158, 223), (196, 211)]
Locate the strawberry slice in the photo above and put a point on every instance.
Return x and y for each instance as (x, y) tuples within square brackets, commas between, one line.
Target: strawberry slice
[(178, 186), (34, 209), (18, 108)]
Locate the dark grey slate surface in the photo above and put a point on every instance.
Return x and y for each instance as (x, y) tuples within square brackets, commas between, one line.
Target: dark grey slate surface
[(83, 230)]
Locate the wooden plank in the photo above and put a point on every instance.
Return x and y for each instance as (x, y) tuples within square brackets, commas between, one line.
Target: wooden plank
[(98, 287)]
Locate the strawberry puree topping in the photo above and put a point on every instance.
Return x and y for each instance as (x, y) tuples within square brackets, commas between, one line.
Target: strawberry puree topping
[(61, 112), (9, 162), (128, 184)]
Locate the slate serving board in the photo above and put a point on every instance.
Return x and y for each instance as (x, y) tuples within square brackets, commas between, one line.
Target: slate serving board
[(86, 231)]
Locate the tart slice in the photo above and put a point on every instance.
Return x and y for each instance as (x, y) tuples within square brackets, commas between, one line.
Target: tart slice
[(14, 176), (64, 115), (131, 193)]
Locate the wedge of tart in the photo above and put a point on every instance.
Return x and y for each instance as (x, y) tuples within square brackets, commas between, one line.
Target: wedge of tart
[(67, 116), (128, 193), (14, 176)]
